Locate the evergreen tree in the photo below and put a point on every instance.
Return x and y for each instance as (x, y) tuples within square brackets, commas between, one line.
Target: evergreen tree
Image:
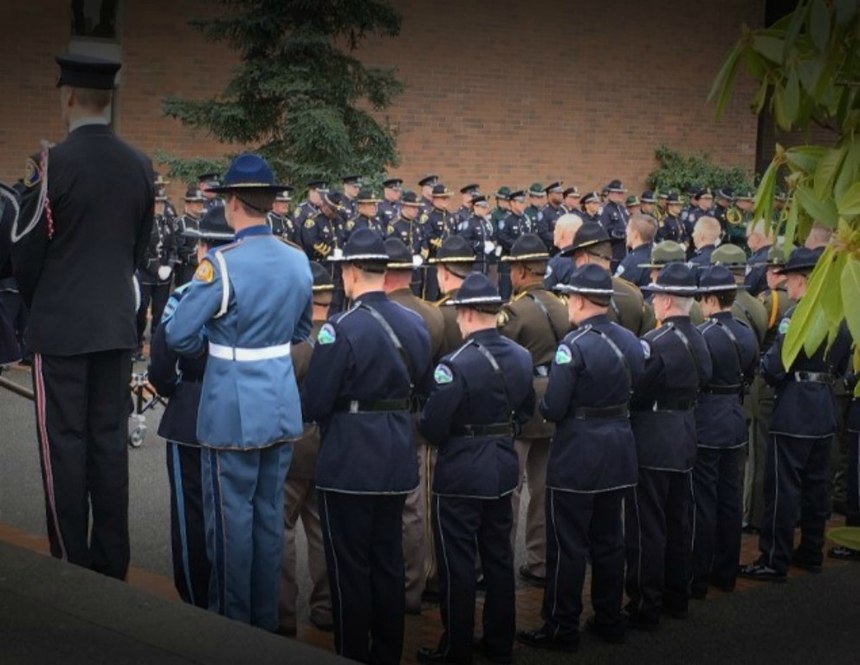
[(298, 96)]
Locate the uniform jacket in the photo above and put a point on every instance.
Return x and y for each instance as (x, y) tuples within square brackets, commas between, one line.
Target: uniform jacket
[(614, 220), (511, 228), (663, 402), (468, 391), (410, 233), (78, 285), (536, 320), (319, 236), (672, 228), (629, 267), (251, 298), (720, 421), (592, 454), (158, 252), (756, 278), (368, 451), (432, 316), (558, 271), (452, 338), (478, 231), (805, 409), (362, 222), (439, 225), (776, 304), (702, 257), (387, 212), (752, 312)]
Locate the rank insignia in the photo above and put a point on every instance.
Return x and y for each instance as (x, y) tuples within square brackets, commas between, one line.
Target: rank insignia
[(502, 319), (442, 374), (32, 173), (327, 334), (205, 272), (309, 223)]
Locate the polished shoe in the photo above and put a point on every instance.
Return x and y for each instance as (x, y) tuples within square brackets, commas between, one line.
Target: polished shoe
[(542, 638), (531, 578), (760, 572), (644, 622), (612, 633), (492, 656), (842, 553), (326, 625), (805, 564)]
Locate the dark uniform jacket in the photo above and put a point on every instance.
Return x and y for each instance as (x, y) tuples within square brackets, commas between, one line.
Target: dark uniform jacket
[(702, 256), (411, 234), (476, 231), (9, 348), (305, 211), (677, 367), (432, 316), (158, 252), (319, 236), (614, 221), (387, 212), (282, 226), (672, 228), (362, 222), (776, 304), (184, 247), (536, 320), (439, 225), (511, 228), (471, 392), (356, 387), (558, 271), (629, 267), (78, 284), (452, 338), (720, 421), (804, 405), (756, 279), (592, 377)]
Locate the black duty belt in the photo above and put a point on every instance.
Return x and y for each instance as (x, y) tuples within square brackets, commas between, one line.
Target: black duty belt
[(493, 429), (668, 405), (811, 377), (371, 405), (595, 412), (722, 390), (542, 370)]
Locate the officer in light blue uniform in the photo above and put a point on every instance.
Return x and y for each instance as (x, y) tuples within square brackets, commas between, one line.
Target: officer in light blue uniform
[(249, 300), (368, 367), (482, 395)]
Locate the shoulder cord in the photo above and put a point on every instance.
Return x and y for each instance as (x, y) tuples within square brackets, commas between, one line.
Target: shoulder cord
[(686, 343), (498, 372), (42, 205), (537, 301), (394, 340), (774, 309), (619, 354)]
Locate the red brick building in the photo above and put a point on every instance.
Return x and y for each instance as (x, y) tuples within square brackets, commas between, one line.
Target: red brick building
[(503, 92)]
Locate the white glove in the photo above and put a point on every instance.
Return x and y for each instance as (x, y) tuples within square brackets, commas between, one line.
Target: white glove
[(498, 251), (337, 253), (164, 272), (489, 247), (417, 260)]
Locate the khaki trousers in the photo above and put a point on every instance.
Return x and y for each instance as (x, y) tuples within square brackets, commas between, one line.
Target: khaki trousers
[(533, 455)]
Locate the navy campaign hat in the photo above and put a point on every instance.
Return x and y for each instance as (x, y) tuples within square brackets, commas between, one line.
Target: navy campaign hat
[(213, 227), (479, 199), (364, 245), (800, 260), (469, 189), (399, 256), (249, 173), (333, 199), (476, 290), (317, 184), (675, 279), (589, 234), (528, 247), (322, 278), (194, 194), (615, 186), (351, 180), (716, 278), (725, 193), (440, 191), (84, 71), (454, 249), (588, 280), (365, 195), (517, 194), (410, 198), (555, 187), (591, 197), (647, 197), (571, 191), (704, 193), (392, 183), (428, 180), (537, 189)]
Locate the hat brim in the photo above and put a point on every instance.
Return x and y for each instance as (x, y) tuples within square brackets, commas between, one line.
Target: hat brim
[(452, 259), (400, 265), (787, 269), (525, 258), (570, 249), (682, 291), (719, 288), (368, 200), (321, 288), (472, 302), (359, 258), (247, 187), (212, 235)]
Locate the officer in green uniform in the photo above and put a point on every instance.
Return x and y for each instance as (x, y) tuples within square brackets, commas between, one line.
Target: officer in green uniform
[(503, 207), (536, 319), (665, 252)]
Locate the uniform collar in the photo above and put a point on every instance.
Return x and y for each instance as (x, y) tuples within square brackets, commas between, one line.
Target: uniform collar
[(646, 247), (257, 230), (371, 296), (727, 315), (677, 319), (706, 248), (95, 120), (534, 286), (597, 319), (481, 335)]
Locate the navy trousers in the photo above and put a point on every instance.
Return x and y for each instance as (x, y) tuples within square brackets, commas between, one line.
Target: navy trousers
[(796, 473), (716, 518), (465, 528), (243, 507), (364, 556), (191, 568), (583, 527), (658, 542)]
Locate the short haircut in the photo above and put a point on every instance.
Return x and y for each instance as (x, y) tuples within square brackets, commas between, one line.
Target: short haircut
[(602, 250), (684, 303), (645, 226), (818, 236), (759, 226), (490, 309), (569, 222), (458, 269), (97, 100), (595, 299), (256, 203), (725, 299), (709, 227)]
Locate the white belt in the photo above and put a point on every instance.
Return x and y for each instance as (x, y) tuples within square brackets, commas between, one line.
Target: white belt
[(246, 355)]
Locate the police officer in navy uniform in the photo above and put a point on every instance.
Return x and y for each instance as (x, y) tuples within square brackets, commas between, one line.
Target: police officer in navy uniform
[(465, 210), (721, 433), (439, 226), (368, 367), (614, 219), (154, 275), (79, 238), (592, 462), (658, 509), (351, 187), (560, 267), (552, 211), (367, 206), (310, 207), (706, 235), (478, 231), (280, 220), (427, 183), (389, 208), (180, 379), (641, 230), (798, 453), (322, 234), (482, 394), (206, 183), (10, 299), (409, 228), (183, 241), (514, 224), (250, 301)]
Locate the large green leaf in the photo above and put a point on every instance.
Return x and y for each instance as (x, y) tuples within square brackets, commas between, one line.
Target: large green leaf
[(819, 24), (808, 320), (828, 169), (850, 279), (770, 47), (850, 171), (791, 228), (805, 157), (820, 209), (722, 85), (792, 97), (849, 203)]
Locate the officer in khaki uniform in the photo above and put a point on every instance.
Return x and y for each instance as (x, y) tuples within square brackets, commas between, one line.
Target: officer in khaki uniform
[(536, 319), (418, 556), (591, 244), (300, 492), (746, 307), (453, 260), (662, 253)]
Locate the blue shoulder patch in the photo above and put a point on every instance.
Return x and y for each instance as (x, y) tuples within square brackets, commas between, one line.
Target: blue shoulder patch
[(646, 348), (442, 374), (563, 356), (327, 334)]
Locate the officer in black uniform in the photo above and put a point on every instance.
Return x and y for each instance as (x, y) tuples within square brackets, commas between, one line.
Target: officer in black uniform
[(74, 258), (368, 366), (658, 510), (310, 207), (180, 379), (183, 241), (206, 182), (367, 206), (153, 277), (551, 212), (482, 393), (700, 206), (321, 235), (515, 224), (409, 229), (721, 433), (572, 200), (351, 187), (614, 219), (280, 220), (722, 203), (705, 235), (427, 183), (852, 479), (592, 460), (389, 208), (798, 452), (479, 233), (167, 208), (671, 227), (439, 226), (641, 230)]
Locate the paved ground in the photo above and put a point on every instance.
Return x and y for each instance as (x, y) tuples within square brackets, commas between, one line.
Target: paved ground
[(812, 617)]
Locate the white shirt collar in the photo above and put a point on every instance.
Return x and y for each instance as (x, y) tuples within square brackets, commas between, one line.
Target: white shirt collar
[(89, 120)]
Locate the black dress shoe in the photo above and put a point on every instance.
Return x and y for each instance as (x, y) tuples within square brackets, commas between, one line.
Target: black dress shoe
[(543, 639), (612, 633), (842, 553), (433, 656), (760, 572), (531, 578), (805, 564)]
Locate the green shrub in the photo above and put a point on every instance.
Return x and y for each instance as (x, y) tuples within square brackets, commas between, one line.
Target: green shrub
[(678, 172)]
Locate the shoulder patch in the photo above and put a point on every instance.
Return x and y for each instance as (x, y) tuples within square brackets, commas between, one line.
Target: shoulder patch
[(783, 325), (32, 173), (442, 374), (502, 319), (563, 356), (327, 334), (205, 272), (646, 348)]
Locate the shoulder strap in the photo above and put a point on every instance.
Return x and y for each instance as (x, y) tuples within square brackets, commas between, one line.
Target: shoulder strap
[(394, 340), (618, 354), (498, 372), (686, 343), (737, 346), (537, 301)]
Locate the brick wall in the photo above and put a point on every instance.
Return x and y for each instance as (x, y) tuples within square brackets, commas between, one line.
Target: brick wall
[(503, 93)]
